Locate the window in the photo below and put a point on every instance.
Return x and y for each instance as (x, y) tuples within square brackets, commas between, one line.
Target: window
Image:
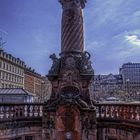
[(0, 64), (3, 65), (12, 78), (13, 69), (9, 77), (3, 75), (6, 76), (10, 68), (6, 66), (2, 85), (6, 86)]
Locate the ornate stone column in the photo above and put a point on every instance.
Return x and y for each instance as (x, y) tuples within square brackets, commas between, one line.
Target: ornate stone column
[(70, 112), (72, 38)]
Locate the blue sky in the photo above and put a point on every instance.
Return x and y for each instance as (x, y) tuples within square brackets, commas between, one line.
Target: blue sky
[(112, 32)]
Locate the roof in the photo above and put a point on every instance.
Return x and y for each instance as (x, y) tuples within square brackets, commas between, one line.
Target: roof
[(8, 57), (112, 99), (19, 91), (109, 76)]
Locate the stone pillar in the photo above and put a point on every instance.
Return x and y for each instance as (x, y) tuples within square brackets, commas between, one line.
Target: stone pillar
[(72, 38), (70, 113)]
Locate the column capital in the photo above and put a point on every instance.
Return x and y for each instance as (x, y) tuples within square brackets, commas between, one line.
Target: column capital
[(72, 3)]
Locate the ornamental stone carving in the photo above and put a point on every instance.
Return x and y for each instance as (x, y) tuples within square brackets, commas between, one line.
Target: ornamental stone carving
[(70, 104), (86, 66), (55, 65)]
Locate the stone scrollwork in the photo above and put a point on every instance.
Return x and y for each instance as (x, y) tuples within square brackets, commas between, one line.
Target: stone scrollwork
[(49, 126), (69, 95), (86, 63), (82, 103), (88, 124), (50, 123)]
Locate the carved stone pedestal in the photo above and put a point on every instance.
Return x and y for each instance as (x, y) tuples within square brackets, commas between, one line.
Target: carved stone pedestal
[(70, 112), (69, 122)]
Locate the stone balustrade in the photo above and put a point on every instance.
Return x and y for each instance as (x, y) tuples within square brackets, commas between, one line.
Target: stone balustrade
[(111, 111), (129, 112), (10, 112), (113, 120)]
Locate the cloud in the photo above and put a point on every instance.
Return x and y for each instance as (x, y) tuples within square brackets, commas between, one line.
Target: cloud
[(112, 32), (133, 39), (3, 32), (109, 23)]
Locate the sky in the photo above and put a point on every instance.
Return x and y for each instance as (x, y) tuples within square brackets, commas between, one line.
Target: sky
[(32, 31)]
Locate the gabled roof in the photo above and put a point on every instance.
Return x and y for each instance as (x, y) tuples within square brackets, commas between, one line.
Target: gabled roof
[(18, 91), (110, 76)]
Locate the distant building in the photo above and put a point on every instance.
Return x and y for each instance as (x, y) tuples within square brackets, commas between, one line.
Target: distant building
[(131, 79), (15, 74), (11, 71), (33, 82), (104, 86), (15, 95)]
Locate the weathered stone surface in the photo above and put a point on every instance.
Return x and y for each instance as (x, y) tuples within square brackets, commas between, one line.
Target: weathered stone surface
[(72, 39), (70, 106), (35, 132)]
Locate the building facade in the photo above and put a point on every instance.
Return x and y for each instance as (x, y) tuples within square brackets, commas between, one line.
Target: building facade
[(11, 71), (33, 83), (125, 85), (104, 86), (131, 79), (15, 74)]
